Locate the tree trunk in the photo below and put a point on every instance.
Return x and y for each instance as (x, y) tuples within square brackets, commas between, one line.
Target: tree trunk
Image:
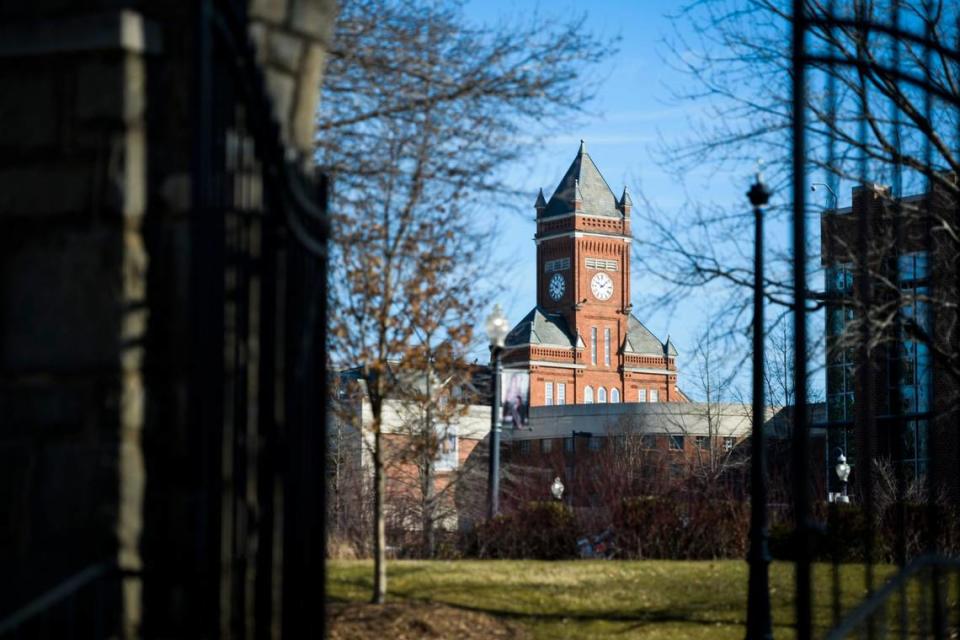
[(426, 509), (379, 521)]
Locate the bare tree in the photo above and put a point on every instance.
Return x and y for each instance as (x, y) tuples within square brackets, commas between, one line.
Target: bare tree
[(720, 413), (885, 111), (422, 113)]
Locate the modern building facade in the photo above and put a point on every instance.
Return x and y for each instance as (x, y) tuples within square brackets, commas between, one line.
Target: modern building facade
[(581, 343), (900, 259)]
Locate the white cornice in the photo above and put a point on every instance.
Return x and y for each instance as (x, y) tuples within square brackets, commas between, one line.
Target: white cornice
[(645, 370), (581, 215), (583, 234), (543, 363)]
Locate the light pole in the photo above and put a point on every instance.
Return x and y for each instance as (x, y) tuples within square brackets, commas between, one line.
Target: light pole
[(758, 597), (497, 329), (843, 473), (813, 187)]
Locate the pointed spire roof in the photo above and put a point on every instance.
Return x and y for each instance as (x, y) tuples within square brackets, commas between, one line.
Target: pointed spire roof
[(541, 201), (668, 347), (584, 182)]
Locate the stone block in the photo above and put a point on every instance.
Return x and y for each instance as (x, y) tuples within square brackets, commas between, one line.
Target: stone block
[(315, 18), (285, 50), (258, 36), (61, 300), (274, 11), (111, 87), (281, 87), (53, 189), (303, 119), (30, 116)]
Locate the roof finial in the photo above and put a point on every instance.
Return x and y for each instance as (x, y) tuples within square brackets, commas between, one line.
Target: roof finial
[(583, 145), (541, 201)]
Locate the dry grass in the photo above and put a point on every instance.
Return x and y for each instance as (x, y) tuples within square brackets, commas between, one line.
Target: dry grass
[(595, 599)]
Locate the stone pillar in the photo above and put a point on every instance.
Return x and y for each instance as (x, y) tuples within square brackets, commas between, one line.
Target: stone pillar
[(292, 39), (72, 297)]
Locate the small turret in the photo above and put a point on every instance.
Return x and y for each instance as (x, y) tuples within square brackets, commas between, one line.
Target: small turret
[(541, 203), (626, 203)]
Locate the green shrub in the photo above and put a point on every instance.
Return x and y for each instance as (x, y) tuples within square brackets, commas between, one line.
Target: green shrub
[(538, 530)]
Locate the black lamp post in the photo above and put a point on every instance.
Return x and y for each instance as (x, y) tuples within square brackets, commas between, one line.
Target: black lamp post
[(497, 329), (758, 598)]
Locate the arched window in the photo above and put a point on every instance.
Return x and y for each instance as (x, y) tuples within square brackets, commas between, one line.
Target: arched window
[(614, 396), (588, 395), (601, 395)]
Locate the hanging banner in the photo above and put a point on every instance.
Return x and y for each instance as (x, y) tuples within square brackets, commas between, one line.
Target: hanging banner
[(515, 398)]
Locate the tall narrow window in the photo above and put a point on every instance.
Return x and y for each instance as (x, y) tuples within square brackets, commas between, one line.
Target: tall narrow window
[(593, 345), (614, 396), (602, 395), (561, 393), (641, 395), (548, 394), (588, 395), (654, 395), (606, 347)]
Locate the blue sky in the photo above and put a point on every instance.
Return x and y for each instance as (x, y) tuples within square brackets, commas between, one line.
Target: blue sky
[(634, 110)]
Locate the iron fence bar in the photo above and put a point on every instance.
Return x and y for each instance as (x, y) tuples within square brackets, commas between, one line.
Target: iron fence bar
[(895, 74), (58, 594), (864, 413), (206, 386), (829, 20), (896, 363), (869, 607), (933, 427), (800, 433)]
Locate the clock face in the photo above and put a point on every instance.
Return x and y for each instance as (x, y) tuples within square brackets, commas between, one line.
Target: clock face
[(557, 286), (602, 286)]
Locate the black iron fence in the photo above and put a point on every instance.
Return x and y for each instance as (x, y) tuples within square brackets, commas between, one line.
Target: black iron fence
[(875, 106), (260, 300)]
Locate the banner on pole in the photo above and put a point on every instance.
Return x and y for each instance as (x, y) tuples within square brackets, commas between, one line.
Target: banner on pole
[(515, 398)]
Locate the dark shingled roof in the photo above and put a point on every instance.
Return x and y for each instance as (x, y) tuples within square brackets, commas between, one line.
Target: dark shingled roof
[(641, 340), (598, 198), (540, 327)]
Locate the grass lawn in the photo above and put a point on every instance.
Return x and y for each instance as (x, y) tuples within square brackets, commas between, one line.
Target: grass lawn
[(596, 599)]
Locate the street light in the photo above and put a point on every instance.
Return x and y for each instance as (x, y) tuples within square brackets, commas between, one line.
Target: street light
[(759, 626), (497, 329), (556, 489), (843, 473)]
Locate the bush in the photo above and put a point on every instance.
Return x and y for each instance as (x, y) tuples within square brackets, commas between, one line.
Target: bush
[(682, 525), (538, 530)]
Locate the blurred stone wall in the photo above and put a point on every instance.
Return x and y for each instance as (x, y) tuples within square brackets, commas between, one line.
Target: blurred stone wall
[(96, 122)]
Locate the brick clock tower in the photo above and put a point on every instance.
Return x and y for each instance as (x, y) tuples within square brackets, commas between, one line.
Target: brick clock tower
[(581, 343)]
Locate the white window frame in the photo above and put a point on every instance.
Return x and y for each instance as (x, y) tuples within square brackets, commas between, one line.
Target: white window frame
[(601, 264), (641, 395), (548, 394), (654, 395), (606, 346), (593, 346), (561, 393), (561, 264), (614, 396), (601, 395), (588, 395)]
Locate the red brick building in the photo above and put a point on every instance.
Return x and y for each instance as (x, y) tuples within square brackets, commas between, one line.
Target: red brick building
[(581, 343)]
